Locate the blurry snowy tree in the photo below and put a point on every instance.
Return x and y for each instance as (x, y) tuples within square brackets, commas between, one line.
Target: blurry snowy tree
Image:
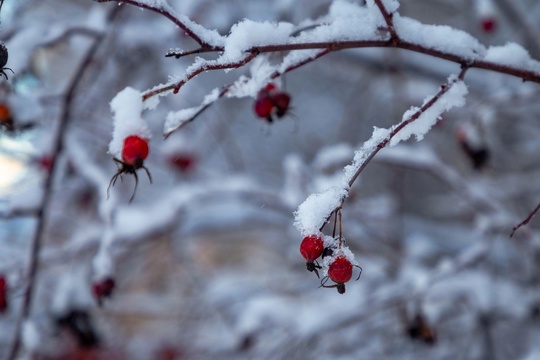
[(204, 263)]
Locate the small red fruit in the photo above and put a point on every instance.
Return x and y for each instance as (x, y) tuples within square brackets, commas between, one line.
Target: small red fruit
[(135, 151), (103, 288), (3, 294), (312, 247), (263, 108), (5, 113), (489, 24), (340, 271), (184, 162), (281, 102)]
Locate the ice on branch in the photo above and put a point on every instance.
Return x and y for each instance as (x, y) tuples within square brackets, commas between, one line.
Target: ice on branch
[(127, 107), (513, 55), (454, 97), (313, 212), (439, 37)]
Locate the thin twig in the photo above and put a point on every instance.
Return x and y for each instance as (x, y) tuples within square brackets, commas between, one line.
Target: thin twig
[(526, 221), (43, 212), (169, 15), (388, 18)]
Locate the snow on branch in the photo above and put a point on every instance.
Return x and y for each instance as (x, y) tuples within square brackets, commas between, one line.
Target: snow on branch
[(206, 38), (313, 214)]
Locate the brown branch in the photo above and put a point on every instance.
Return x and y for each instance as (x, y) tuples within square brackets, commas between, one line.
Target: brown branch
[(526, 221), (381, 145), (205, 66), (388, 18), (225, 90), (169, 15), (43, 212)]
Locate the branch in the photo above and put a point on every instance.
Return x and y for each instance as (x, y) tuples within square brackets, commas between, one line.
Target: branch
[(161, 7), (526, 221), (43, 212)]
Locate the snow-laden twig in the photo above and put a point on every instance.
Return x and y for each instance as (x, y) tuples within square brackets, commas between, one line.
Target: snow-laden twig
[(313, 214), (208, 39)]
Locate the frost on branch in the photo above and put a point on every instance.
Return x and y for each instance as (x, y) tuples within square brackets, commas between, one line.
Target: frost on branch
[(313, 212), (513, 55), (127, 107)]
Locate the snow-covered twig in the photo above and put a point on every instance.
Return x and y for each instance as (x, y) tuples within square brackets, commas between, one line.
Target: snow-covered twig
[(208, 39)]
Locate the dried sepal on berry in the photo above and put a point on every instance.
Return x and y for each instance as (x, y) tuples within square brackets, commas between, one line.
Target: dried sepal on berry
[(134, 152), (4, 55)]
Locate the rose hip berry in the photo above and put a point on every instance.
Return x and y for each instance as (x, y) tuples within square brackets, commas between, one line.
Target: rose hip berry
[(281, 102), (340, 272), (3, 294), (311, 248), (263, 108), (488, 24), (134, 152), (103, 289), (271, 101)]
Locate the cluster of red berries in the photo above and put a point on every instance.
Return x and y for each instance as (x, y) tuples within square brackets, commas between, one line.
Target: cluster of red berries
[(271, 101), (134, 152), (3, 293), (339, 268), (103, 288)]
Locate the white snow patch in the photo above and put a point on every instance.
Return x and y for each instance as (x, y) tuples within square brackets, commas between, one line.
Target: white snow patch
[(312, 213), (127, 107), (513, 55)]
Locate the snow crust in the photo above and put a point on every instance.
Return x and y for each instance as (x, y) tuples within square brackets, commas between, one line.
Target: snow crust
[(513, 55), (127, 107), (439, 37)]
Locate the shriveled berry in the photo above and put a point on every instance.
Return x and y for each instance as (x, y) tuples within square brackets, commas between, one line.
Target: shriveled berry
[(263, 107), (3, 55), (281, 101), (312, 247), (3, 294), (135, 151), (103, 288), (340, 270)]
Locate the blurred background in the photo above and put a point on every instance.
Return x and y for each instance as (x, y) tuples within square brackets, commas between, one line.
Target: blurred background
[(205, 261)]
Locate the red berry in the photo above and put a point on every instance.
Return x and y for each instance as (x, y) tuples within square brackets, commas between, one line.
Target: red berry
[(340, 271), (184, 162), (281, 102), (103, 288), (312, 247), (488, 24), (263, 107), (5, 113), (3, 294), (269, 88), (135, 150)]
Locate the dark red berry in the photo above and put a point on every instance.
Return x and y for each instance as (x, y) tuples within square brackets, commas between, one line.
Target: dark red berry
[(5, 113), (281, 101), (183, 162), (489, 24), (103, 288), (135, 151), (340, 270), (3, 294), (263, 107), (312, 247)]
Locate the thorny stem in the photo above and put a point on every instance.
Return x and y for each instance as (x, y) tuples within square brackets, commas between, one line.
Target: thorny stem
[(43, 212)]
